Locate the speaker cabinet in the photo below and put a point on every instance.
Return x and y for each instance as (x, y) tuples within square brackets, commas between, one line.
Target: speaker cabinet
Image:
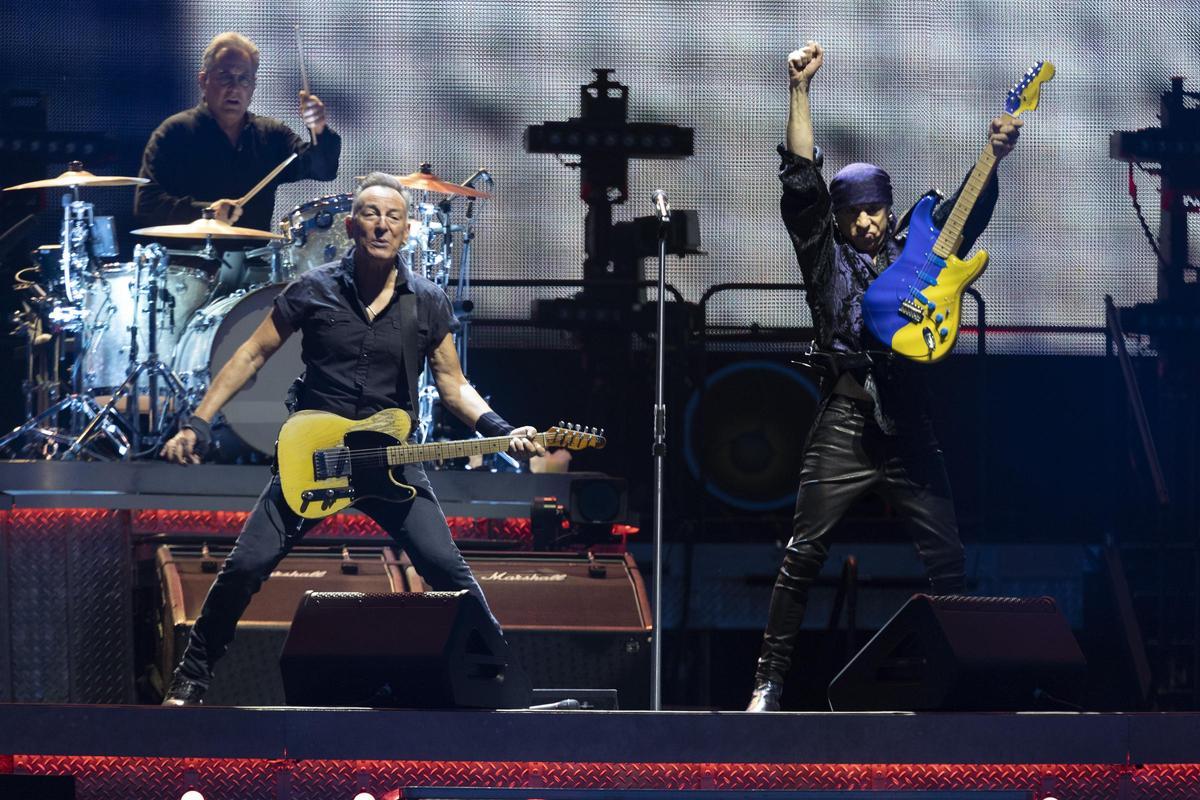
[(573, 621), (403, 650), (249, 672), (964, 654)]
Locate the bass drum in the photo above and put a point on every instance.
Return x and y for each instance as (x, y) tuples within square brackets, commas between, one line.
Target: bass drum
[(254, 414)]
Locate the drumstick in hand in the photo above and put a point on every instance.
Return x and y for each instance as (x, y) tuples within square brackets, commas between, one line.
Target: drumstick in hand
[(312, 137), (258, 187)]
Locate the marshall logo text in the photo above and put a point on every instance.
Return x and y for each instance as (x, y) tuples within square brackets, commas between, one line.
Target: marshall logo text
[(532, 577)]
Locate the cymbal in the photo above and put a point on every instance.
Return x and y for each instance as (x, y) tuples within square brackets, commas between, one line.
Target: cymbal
[(79, 177), (203, 229), (425, 181)]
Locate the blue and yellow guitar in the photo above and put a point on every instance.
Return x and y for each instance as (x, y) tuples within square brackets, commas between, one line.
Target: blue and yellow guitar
[(914, 305)]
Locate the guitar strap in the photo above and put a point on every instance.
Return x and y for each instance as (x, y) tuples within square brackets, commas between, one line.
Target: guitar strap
[(412, 359)]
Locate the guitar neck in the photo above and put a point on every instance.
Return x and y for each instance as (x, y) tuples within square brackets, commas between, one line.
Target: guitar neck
[(951, 237), (438, 451)]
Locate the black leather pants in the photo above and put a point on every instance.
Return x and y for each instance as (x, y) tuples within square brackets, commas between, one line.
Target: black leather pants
[(847, 455)]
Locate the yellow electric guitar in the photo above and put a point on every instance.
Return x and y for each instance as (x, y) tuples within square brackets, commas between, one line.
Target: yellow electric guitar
[(913, 306), (327, 462)]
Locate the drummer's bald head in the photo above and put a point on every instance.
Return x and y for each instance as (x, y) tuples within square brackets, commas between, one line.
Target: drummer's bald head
[(378, 179), (229, 39)]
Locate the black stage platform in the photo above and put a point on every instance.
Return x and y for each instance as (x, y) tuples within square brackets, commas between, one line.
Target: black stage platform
[(67, 671), (124, 751)]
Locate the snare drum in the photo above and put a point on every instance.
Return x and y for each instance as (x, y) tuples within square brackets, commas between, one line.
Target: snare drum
[(254, 414), (109, 310)]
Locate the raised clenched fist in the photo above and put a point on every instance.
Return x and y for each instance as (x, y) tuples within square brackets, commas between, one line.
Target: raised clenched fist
[(804, 63)]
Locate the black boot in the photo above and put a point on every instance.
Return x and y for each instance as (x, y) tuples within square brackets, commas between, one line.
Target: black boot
[(184, 692), (779, 643), (766, 696)]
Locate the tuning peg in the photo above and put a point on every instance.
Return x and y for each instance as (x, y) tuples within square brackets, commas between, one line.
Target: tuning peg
[(561, 424)]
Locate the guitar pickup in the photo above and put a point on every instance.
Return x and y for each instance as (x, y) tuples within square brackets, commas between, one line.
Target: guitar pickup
[(912, 310), (326, 497), (331, 463)]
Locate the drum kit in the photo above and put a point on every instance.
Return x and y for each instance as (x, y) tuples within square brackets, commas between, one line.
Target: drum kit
[(140, 341)]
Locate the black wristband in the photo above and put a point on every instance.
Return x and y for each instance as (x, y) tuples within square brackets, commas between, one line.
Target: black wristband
[(492, 424), (203, 431)]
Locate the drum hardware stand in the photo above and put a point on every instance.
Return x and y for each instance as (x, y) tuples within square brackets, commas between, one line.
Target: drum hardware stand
[(273, 250), (463, 305), (75, 259), (435, 264), (154, 256), (78, 405)]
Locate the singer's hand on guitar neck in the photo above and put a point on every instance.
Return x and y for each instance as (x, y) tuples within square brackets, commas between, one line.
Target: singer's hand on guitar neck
[(312, 111), (1003, 134)]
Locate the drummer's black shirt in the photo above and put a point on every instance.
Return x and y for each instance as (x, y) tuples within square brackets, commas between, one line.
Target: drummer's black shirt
[(190, 163), (354, 367)]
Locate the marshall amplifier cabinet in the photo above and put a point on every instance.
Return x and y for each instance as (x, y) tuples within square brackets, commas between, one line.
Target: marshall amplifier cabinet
[(249, 672), (572, 621)]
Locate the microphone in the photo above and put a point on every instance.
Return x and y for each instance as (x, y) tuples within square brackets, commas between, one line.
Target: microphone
[(661, 207)]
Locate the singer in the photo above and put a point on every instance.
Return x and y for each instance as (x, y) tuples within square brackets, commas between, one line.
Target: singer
[(873, 431), (357, 318)]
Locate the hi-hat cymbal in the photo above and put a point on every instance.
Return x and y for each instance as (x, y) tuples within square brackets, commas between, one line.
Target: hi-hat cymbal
[(204, 228), (79, 177)]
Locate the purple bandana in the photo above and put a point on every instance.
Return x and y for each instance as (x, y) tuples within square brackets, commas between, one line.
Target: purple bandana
[(860, 184)]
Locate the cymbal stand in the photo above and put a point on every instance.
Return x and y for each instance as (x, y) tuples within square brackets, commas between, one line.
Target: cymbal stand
[(154, 258), (463, 305), (273, 250)]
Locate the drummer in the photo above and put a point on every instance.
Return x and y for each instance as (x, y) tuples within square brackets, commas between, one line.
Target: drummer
[(217, 151)]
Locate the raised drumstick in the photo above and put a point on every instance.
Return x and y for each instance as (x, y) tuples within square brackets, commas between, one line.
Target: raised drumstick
[(312, 137)]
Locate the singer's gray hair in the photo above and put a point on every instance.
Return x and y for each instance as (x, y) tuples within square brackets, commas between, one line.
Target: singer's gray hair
[(378, 179), (229, 39)]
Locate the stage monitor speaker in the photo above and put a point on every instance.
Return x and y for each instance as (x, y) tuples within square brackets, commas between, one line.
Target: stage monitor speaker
[(958, 653), (249, 672), (573, 620), (403, 650)]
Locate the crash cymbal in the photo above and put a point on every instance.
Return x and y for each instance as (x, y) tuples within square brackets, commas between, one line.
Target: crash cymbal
[(79, 177), (424, 180), (204, 228), (427, 182)]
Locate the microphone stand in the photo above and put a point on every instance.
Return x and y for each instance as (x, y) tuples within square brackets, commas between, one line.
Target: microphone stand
[(659, 451)]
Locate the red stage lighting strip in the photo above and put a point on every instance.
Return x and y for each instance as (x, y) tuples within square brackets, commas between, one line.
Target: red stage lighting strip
[(107, 778), (229, 523)]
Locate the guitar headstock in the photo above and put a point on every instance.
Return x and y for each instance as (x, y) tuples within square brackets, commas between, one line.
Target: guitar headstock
[(1028, 91), (574, 437)]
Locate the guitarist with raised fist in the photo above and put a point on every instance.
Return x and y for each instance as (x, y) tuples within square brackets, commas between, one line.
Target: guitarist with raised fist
[(872, 432), (368, 326)]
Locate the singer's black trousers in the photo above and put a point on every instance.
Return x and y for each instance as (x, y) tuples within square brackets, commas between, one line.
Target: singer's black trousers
[(273, 529), (847, 455)]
